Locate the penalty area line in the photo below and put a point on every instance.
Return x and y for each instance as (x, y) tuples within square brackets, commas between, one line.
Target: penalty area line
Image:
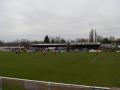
[(94, 59)]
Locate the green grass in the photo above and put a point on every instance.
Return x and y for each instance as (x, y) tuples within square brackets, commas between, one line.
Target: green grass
[(77, 68)]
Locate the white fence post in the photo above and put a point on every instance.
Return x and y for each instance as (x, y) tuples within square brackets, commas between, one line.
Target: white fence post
[(0, 83), (49, 86)]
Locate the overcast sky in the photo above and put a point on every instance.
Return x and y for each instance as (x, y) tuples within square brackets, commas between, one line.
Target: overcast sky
[(33, 19)]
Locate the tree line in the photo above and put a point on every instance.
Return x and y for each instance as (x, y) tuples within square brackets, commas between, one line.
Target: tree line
[(26, 43)]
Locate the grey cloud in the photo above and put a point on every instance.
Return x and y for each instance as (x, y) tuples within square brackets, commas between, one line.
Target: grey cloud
[(67, 18)]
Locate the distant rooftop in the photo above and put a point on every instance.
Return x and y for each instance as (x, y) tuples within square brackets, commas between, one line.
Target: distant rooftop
[(51, 44)]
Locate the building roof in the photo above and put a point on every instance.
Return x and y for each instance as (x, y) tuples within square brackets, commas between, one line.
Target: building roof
[(11, 46), (59, 44)]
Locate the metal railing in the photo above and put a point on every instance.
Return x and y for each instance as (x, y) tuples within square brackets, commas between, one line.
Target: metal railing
[(24, 84)]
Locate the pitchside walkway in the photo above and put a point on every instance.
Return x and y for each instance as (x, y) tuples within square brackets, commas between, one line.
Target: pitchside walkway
[(25, 84)]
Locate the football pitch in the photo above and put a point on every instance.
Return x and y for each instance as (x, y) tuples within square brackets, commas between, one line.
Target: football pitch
[(72, 67)]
